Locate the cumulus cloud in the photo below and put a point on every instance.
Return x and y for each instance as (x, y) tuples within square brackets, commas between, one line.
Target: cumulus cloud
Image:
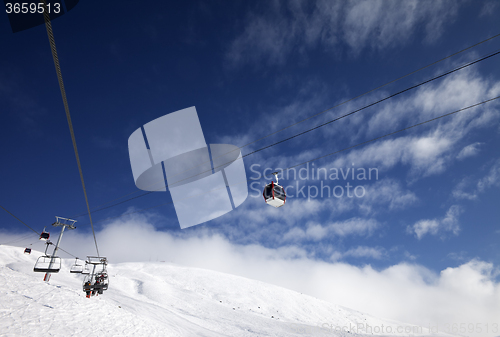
[(404, 291), (449, 223), (427, 150), (425, 155), (469, 150), (288, 27), (430, 149), (314, 219), (385, 195)]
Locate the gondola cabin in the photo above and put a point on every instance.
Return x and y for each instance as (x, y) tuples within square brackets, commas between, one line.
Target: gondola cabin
[(44, 236), (27, 251), (274, 194)]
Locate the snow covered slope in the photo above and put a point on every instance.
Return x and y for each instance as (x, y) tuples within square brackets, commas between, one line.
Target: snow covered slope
[(161, 299)]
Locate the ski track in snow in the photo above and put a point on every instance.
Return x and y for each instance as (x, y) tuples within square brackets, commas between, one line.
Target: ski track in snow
[(161, 299)]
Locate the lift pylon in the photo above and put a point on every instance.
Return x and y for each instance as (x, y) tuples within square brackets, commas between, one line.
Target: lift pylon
[(52, 263)]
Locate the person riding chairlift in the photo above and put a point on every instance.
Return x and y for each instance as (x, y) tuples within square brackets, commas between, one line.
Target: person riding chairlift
[(97, 282), (87, 284)]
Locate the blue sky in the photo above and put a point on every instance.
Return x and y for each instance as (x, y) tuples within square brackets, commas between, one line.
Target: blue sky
[(251, 69)]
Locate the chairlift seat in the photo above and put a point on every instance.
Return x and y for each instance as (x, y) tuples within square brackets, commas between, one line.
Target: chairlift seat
[(47, 264), (76, 268), (95, 281), (89, 286)]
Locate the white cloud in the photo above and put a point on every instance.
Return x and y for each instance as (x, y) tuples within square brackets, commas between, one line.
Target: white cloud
[(425, 227), (425, 155), (386, 192), (354, 226), (466, 189), (437, 226), (491, 179), (406, 292), (461, 256), (410, 256), (469, 150), (426, 150), (365, 252), (317, 232), (489, 8), (459, 192), (382, 24), (316, 219), (287, 27)]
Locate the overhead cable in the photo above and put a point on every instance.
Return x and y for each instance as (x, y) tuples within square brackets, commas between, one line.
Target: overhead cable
[(480, 59), (317, 158), (50, 34)]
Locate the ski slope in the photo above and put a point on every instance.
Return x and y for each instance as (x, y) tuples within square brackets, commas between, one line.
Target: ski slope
[(163, 299)]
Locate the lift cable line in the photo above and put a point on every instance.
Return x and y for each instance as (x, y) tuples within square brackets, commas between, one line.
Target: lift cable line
[(38, 234), (374, 103), (318, 158), (21, 237), (50, 34), (15, 217), (372, 90), (316, 127), (355, 111), (310, 117)]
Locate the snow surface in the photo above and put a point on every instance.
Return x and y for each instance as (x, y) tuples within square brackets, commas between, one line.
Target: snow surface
[(163, 299)]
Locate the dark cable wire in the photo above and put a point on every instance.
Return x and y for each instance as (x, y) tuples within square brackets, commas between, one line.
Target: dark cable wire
[(22, 237), (374, 103), (15, 217), (50, 34), (321, 125), (321, 157), (342, 103), (379, 87)]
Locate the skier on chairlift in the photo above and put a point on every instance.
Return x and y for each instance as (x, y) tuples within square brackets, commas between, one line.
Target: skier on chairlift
[(96, 285), (87, 288)]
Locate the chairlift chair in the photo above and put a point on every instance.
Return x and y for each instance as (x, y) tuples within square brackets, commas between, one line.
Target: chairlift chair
[(47, 264), (85, 270), (76, 268), (274, 194), (95, 284), (96, 281)]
